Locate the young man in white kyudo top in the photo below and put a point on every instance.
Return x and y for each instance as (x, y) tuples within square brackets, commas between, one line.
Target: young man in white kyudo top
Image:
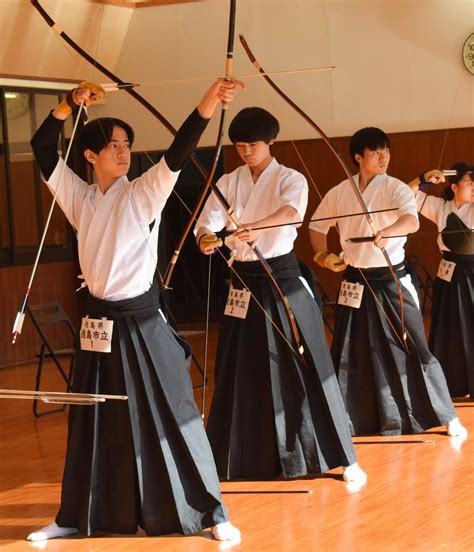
[(389, 386), (272, 413), (145, 462)]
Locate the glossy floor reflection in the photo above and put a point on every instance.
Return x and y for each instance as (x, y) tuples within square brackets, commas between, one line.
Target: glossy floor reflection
[(419, 495)]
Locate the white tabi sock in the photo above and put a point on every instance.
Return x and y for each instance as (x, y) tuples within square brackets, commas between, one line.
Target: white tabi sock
[(354, 473), (225, 531), (51, 531), (456, 429)]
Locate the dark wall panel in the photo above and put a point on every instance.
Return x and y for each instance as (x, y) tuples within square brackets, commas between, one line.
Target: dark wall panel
[(411, 154), (55, 282)]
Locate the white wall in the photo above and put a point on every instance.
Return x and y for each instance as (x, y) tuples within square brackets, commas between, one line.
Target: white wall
[(398, 62), (28, 46)]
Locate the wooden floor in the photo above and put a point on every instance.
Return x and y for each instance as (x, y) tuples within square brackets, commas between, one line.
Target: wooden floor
[(420, 493)]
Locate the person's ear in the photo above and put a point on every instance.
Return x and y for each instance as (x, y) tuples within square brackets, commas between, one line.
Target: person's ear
[(358, 157), (90, 156), (272, 141)]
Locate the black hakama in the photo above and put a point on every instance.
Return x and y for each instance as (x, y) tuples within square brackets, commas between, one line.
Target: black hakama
[(386, 389), (452, 325), (144, 462), (270, 415)]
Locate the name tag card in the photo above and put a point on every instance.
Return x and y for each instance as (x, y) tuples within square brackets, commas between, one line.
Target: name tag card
[(350, 294), (96, 334), (237, 303), (446, 270)]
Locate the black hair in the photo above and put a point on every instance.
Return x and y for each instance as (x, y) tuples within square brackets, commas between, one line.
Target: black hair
[(253, 124), (462, 169), (97, 134), (371, 138)]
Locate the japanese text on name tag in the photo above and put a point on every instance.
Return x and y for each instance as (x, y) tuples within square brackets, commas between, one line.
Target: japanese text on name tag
[(96, 334), (237, 303), (350, 294), (446, 270)]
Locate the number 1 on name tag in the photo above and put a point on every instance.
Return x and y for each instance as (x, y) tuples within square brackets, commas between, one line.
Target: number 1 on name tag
[(96, 334)]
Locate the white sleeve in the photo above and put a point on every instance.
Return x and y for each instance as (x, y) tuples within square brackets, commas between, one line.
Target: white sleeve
[(324, 210), (71, 191), (213, 215), (294, 192), (429, 206), (403, 199), (151, 190)]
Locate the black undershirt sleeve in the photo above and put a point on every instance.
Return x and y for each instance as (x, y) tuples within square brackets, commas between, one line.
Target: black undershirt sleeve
[(45, 144), (185, 141)]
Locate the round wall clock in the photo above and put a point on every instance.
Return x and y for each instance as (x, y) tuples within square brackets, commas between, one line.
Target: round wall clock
[(17, 104), (468, 53)]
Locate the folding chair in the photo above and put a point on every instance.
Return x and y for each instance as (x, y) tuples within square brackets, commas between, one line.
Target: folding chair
[(43, 316), (425, 281)]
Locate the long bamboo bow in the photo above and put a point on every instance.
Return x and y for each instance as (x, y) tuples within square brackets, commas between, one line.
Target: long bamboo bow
[(125, 85), (346, 170), (216, 155), (230, 212), (117, 81)]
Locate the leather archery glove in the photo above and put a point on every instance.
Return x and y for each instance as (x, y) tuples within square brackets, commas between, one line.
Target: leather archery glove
[(430, 179), (209, 242), (97, 93), (72, 102), (325, 259), (63, 110)]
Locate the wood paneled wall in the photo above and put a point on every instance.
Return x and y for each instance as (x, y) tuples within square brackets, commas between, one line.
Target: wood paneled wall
[(411, 154), (55, 282)]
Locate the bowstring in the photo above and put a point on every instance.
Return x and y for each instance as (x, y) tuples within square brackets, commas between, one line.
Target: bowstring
[(79, 63), (89, 74), (206, 343), (154, 255), (342, 162), (445, 142), (232, 269), (450, 118), (377, 300)]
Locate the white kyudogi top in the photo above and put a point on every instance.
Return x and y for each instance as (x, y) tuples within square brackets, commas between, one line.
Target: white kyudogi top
[(276, 187), (117, 250), (437, 210), (383, 192)]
